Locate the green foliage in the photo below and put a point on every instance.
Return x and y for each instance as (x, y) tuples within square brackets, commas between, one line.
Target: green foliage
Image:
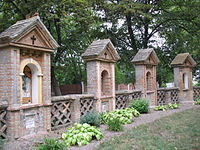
[(114, 124), (141, 105), (52, 144), (81, 134), (197, 102), (1, 143), (160, 108), (173, 106), (125, 116), (92, 118), (102, 118)]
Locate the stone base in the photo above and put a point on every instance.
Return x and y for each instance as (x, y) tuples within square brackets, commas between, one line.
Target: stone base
[(28, 120)]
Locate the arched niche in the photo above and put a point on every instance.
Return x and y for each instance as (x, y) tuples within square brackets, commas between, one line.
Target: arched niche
[(185, 81), (30, 82), (105, 83), (149, 81)]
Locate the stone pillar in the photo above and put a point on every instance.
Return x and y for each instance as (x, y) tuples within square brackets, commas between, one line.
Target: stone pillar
[(100, 58), (145, 74), (183, 64)]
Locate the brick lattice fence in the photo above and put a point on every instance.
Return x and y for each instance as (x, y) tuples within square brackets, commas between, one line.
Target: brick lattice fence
[(196, 90), (69, 108), (123, 98), (3, 122), (167, 95)]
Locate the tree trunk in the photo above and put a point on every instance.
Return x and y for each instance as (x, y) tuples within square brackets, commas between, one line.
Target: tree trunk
[(54, 84)]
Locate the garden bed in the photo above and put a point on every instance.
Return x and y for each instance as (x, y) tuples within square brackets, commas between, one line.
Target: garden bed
[(28, 143)]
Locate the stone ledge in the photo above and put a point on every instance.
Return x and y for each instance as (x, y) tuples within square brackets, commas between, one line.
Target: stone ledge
[(127, 92), (27, 106), (168, 89), (71, 97)]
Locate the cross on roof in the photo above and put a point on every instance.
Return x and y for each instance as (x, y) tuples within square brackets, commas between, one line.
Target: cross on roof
[(33, 38)]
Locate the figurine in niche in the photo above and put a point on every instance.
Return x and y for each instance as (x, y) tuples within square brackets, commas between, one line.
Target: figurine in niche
[(26, 85)]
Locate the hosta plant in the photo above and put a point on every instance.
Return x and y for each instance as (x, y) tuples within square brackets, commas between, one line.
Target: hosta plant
[(197, 102), (81, 134), (173, 106), (160, 108), (125, 116)]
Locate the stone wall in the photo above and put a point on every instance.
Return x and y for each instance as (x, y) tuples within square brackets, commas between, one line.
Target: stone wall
[(69, 108), (123, 98), (167, 95)]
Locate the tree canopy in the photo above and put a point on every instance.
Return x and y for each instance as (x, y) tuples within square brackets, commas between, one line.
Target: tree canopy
[(168, 26)]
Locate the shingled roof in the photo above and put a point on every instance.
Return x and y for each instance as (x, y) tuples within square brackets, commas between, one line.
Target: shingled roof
[(143, 55), (98, 47), (17, 29), (180, 59)]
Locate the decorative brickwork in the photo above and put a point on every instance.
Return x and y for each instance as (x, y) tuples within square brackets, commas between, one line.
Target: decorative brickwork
[(161, 97), (3, 123), (87, 104), (196, 93), (123, 98), (121, 101), (167, 95), (61, 114), (174, 96), (69, 108)]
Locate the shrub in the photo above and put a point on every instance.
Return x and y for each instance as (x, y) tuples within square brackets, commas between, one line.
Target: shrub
[(81, 134), (160, 108), (140, 105), (114, 124), (197, 102), (52, 144), (102, 118), (125, 116), (172, 106), (1, 143), (92, 118)]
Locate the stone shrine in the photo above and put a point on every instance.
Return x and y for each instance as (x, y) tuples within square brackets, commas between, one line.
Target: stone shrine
[(183, 64), (25, 84), (100, 57), (145, 69)]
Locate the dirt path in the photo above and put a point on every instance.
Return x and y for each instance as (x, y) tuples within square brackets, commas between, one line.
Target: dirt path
[(27, 143)]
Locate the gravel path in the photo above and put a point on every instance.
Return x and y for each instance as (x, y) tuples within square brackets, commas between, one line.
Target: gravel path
[(27, 143)]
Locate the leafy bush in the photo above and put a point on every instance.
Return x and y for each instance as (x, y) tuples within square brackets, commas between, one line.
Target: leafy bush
[(114, 124), (140, 105), (92, 118), (52, 144), (81, 134), (125, 116), (172, 106), (197, 102), (102, 118), (160, 108), (1, 143)]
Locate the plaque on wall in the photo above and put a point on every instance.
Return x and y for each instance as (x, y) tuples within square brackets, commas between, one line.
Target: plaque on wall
[(30, 122)]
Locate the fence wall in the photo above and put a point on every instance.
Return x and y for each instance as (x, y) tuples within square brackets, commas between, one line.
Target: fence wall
[(3, 122), (196, 90), (123, 98), (68, 109), (167, 95)]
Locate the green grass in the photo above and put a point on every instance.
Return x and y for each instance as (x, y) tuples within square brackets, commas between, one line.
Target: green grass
[(180, 131)]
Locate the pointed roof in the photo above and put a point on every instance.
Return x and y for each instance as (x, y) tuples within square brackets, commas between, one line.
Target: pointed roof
[(97, 48), (18, 29), (181, 59), (143, 56)]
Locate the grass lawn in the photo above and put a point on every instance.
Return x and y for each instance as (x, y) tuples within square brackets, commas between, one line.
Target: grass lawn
[(180, 131)]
